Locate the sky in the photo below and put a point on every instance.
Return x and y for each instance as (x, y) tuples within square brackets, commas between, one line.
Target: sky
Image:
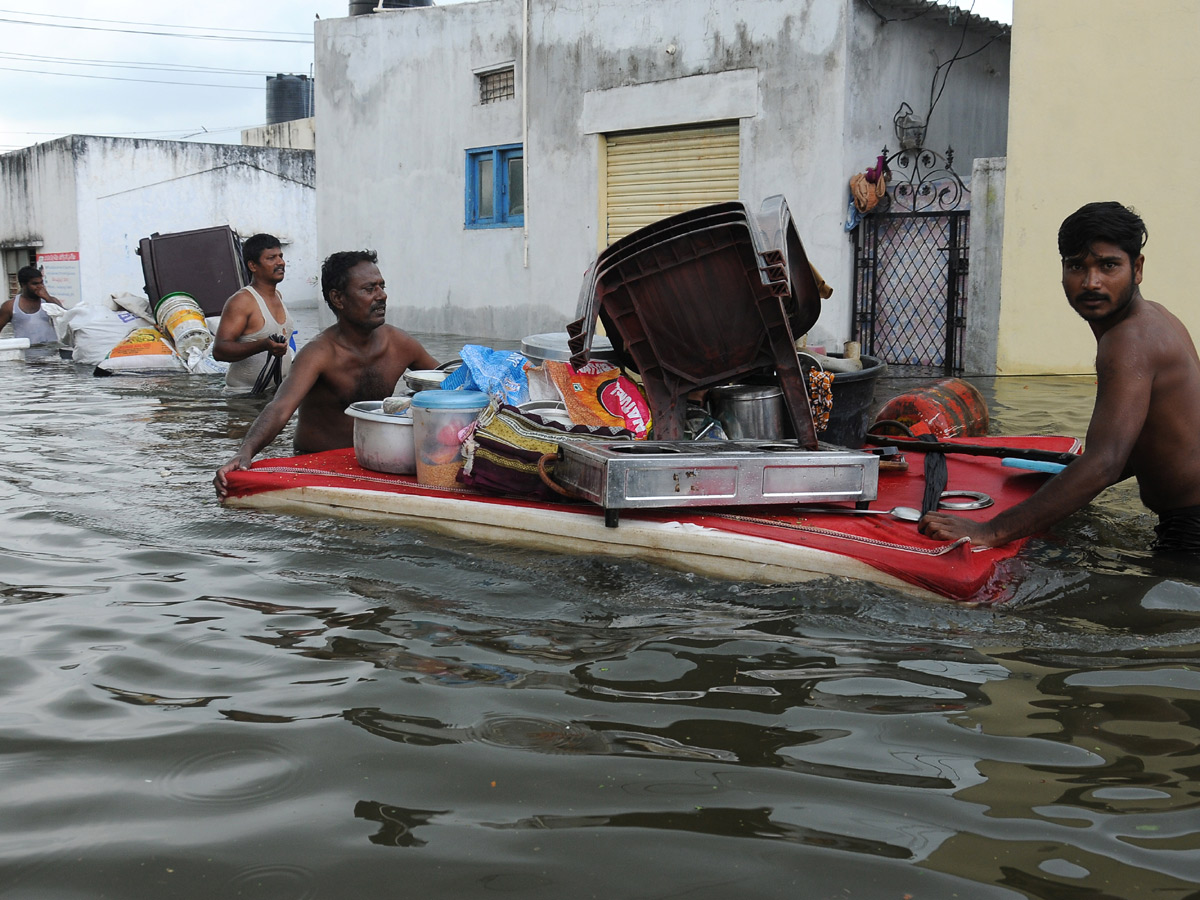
[(170, 70)]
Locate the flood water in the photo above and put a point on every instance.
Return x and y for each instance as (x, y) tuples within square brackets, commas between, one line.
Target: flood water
[(209, 703)]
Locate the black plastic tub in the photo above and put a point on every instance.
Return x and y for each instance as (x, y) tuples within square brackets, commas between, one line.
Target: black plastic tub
[(853, 394)]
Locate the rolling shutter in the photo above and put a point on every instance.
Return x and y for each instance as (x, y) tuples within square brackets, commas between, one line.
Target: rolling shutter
[(659, 173)]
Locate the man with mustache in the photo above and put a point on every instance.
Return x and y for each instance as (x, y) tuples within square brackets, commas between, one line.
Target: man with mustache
[(1144, 422), (359, 357), (255, 326)]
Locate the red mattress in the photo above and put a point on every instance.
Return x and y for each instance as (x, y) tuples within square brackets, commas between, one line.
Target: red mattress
[(957, 571)]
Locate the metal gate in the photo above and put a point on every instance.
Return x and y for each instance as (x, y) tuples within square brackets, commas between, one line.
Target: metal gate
[(910, 267)]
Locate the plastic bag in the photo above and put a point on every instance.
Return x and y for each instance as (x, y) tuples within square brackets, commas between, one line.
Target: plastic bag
[(498, 373), (134, 303)]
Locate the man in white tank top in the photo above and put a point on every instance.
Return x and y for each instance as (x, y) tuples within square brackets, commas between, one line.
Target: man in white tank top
[(29, 319), (255, 326)]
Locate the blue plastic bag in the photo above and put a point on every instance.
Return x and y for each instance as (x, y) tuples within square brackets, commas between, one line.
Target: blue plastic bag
[(498, 373)]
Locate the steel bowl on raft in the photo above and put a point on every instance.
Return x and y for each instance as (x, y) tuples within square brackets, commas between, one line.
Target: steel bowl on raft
[(424, 379), (383, 442)]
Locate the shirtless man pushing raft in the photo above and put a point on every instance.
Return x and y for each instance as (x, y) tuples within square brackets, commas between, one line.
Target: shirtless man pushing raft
[(359, 357), (1146, 421)]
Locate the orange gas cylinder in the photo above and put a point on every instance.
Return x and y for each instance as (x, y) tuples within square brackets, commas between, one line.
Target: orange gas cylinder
[(949, 408)]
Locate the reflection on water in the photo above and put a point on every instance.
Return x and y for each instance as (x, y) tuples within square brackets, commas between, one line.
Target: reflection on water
[(201, 702)]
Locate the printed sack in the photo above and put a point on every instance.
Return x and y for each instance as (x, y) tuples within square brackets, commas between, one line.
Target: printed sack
[(598, 394), (144, 350)]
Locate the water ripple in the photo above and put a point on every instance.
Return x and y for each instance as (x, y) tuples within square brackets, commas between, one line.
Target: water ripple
[(237, 776)]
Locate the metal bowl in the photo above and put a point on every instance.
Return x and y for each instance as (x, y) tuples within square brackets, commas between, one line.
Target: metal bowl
[(424, 379), (382, 442), (549, 411)]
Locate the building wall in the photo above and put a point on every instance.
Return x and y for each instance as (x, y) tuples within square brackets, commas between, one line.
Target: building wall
[(397, 100), (298, 134), (37, 201), (894, 62), (1100, 109), (100, 196)]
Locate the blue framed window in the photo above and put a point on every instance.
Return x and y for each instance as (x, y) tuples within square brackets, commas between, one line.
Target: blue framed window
[(496, 187)]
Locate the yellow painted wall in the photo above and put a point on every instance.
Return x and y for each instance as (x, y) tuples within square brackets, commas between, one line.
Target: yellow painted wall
[(1104, 104)]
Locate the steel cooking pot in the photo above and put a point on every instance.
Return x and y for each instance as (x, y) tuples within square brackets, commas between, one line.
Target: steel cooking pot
[(752, 412), (383, 442)]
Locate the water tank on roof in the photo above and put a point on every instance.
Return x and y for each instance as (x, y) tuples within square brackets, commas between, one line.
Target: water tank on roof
[(361, 7), (289, 97)]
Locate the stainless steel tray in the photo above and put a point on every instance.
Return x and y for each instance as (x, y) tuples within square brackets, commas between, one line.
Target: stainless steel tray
[(655, 474)]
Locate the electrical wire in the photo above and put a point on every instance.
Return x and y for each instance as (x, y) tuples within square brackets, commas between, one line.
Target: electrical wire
[(20, 12), (130, 64), (244, 87), (204, 37), (948, 64)]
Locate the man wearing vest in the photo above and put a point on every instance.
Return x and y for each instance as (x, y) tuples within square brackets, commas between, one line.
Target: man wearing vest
[(256, 328), (29, 319)]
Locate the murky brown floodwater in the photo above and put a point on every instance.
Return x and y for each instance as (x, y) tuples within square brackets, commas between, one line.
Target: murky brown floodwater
[(199, 702)]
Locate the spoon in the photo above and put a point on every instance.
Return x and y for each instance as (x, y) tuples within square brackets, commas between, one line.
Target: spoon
[(903, 513)]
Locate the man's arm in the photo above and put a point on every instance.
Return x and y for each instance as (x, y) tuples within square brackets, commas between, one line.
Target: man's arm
[(6, 312), (1122, 402), (235, 321), (43, 293), (424, 360), (306, 369), (411, 349)]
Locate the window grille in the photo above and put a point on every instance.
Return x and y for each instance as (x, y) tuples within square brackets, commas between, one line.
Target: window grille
[(497, 86)]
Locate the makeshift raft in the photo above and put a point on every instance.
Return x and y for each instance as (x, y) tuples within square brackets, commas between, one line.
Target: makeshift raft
[(770, 544)]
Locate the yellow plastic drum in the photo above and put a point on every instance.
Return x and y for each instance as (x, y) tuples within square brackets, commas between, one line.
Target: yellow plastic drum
[(179, 315)]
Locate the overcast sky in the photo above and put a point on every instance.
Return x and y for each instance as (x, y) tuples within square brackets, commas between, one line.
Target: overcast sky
[(173, 70)]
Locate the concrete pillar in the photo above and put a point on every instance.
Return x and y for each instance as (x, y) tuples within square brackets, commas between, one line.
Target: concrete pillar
[(986, 255)]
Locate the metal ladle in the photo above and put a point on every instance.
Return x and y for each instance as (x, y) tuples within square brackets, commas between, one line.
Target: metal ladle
[(974, 500), (903, 513)]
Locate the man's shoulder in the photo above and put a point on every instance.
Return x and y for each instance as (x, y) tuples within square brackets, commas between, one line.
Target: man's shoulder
[(392, 331), (237, 298)]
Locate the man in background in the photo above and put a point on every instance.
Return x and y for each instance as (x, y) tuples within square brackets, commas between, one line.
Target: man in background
[(25, 311), (256, 328)]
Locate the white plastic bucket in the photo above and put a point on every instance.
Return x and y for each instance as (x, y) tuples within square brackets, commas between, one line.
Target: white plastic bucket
[(180, 316)]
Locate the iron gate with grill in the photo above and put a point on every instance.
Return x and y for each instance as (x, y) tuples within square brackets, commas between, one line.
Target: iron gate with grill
[(910, 267)]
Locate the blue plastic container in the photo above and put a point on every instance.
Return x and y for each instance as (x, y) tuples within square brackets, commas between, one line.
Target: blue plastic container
[(440, 421)]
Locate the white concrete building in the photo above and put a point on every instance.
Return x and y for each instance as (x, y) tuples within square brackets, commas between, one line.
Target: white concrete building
[(588, 118), (82, 203)]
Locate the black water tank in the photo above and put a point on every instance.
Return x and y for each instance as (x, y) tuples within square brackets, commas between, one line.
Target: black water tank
[(361, 7), (289, 97)]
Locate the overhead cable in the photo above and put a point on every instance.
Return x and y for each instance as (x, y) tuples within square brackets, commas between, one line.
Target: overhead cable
[(132, 64), (21, 12), (244, 87), (203, 37)]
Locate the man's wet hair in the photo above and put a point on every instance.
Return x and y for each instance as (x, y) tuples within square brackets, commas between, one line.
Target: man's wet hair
[(335, 271), (256, 245), (1106, 221), (26, 274)]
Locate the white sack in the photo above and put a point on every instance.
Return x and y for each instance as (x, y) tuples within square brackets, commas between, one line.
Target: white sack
[(96, 329)]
